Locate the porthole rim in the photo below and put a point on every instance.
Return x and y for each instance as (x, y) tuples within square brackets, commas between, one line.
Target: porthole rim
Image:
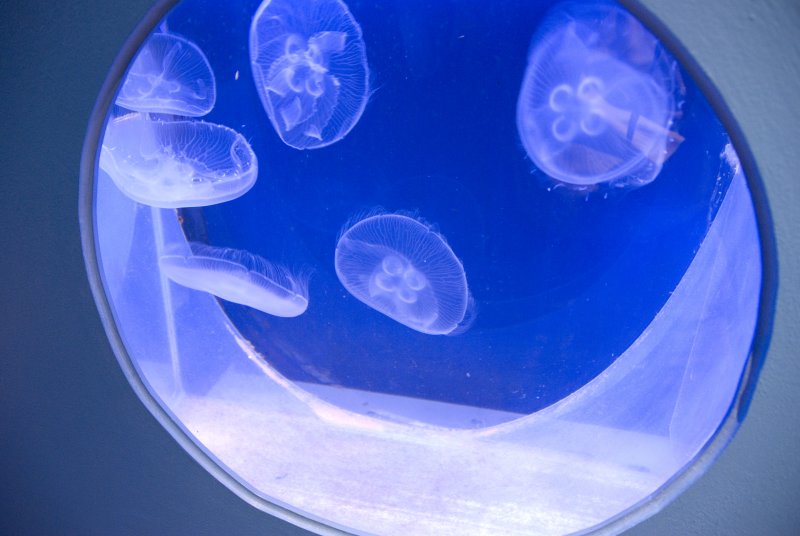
[(637, 513)]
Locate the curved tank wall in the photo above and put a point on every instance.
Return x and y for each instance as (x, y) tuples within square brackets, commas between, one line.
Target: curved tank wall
[(654, 396)]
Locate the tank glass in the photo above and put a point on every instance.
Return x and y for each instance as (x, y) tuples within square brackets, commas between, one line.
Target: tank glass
[(426, 267)]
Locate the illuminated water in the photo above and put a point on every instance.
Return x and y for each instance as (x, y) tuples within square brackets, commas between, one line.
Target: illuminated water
[(563, 279)]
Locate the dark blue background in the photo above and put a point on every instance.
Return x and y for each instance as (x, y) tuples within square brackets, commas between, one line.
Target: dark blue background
[(564, 280)]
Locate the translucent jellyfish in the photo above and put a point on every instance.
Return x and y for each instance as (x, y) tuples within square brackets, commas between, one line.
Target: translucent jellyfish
[(170, 75), (240, 277), (598, 98), (402, 268), (171, 164), (310, 68)]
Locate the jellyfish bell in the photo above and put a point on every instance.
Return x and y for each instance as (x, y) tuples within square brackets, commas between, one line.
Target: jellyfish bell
[(599, 98), (170, 75), (309, 64), (172, 164), (402, 268), (240, 277)]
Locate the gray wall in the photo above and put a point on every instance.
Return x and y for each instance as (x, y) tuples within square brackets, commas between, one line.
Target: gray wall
[(751, 50), (79, 455)]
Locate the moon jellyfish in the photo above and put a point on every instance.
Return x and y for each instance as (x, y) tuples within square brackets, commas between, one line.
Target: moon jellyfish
[(599, 98), (170, 75), (172, 164), (240, 277), (310, 68), (402, 268)]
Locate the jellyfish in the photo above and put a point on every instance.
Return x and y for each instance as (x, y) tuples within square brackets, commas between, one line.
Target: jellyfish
[(310, 68), (170, 75), (598, 99), (400, 267), (238, 276), (170, 164)]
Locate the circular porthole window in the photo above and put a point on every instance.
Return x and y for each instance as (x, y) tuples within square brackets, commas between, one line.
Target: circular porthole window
[(411, 267)]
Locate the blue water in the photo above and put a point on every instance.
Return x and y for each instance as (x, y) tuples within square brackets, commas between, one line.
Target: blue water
[(564, 280)]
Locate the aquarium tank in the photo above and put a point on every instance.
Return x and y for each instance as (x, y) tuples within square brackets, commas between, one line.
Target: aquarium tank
[(410, 267)]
